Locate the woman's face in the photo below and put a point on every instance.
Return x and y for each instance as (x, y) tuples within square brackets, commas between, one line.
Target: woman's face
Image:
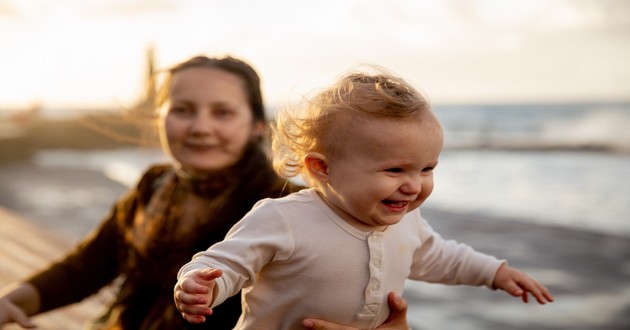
[(207, 120)]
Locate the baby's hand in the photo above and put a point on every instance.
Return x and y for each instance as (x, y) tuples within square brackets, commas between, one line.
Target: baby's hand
[(519, 284), (193, 294)]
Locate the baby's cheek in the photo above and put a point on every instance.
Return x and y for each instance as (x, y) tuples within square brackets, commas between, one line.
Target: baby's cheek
[(427, 189)]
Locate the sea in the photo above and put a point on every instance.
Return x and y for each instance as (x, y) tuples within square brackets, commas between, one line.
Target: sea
[(562, 165)]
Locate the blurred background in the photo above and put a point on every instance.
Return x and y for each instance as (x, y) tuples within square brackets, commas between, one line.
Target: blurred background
[(534, 97)]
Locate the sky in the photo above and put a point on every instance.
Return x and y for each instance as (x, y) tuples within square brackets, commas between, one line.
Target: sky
[(91, 53)]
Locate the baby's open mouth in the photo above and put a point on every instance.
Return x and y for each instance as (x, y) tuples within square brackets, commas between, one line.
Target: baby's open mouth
[(396, 204)]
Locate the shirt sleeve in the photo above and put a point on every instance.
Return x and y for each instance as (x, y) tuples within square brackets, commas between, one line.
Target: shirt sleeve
[(261, 237), (449, 262)]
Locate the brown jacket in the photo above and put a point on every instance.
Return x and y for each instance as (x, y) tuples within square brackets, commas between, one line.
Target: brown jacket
[(145, 298)]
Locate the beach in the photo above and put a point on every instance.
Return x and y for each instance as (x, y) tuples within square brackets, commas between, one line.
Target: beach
[(588, 272), (543, 186)]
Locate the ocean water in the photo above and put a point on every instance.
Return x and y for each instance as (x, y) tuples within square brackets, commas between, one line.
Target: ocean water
[(589, 190), (560, 164), (598, 126)]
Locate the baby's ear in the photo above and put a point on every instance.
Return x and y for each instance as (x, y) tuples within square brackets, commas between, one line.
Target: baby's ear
[(317, 166)]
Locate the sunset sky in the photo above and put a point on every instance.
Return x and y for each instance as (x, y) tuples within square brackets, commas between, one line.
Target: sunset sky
[(91, 53)]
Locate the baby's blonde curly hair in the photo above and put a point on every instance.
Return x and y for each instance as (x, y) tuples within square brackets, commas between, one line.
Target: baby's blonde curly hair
[(322, 123)]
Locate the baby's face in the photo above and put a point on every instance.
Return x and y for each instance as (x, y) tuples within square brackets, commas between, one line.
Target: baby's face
[(383, 171)]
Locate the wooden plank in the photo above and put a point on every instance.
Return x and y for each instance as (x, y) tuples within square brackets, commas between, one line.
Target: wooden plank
[(26, 248)]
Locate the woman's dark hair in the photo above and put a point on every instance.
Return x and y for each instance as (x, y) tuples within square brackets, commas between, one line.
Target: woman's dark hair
[(231, 65)]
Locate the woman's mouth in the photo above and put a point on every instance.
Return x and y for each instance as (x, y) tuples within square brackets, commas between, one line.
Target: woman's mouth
[(199, 147)]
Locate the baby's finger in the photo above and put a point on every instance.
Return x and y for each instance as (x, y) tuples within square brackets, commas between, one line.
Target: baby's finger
[(209, 274), (537, 290), (195, 310), (513, 289), (190, 299), (525, 297), (548, 296), (194, 319), (542, 295), (194, 287)]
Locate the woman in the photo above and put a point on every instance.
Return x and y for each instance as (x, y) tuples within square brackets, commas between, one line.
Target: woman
[(212, 123)]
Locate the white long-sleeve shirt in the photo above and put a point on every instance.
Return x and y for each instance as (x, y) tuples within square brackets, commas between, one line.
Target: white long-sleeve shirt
[(295, 258)]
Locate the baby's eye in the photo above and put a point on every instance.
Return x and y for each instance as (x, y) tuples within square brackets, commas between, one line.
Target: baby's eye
[(394, 170), (428, 169)]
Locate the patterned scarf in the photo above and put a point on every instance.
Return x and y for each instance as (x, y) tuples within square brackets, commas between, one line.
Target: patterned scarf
[(157, 226)]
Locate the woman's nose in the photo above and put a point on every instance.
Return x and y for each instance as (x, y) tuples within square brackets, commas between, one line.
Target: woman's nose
[(202, 123)]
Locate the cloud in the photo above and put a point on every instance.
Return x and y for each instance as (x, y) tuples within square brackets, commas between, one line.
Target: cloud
[(130, 9), (457, 49), (7, 8)]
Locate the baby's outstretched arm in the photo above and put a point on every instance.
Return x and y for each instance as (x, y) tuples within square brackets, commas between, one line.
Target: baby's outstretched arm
[(193, 294), (520, 284)]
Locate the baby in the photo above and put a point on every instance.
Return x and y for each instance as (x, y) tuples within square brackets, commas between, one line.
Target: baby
[(367, 146)]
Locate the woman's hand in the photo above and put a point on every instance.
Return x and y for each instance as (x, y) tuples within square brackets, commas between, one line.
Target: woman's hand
[(520, 284), (193, 294), (397, 319), (9, 312), (17, 302)]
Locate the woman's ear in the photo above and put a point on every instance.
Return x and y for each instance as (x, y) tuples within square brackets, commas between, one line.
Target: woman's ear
[(317, 166)]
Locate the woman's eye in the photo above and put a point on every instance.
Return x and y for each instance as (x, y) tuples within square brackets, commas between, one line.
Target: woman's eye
[(223, 112), (180, 110)]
